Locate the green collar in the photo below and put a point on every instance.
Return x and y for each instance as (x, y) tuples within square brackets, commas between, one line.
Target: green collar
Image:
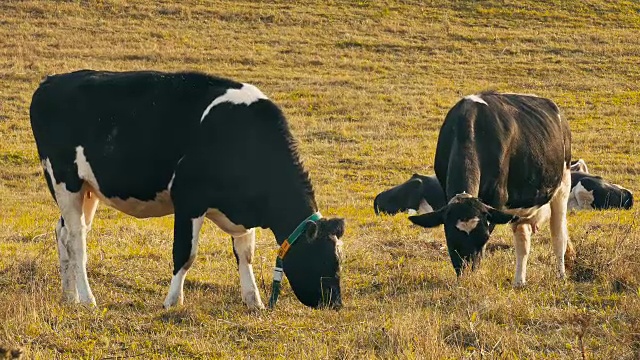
[(278, 273)]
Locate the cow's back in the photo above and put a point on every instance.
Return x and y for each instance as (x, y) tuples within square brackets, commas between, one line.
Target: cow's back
[(132, 127), (511, 149)]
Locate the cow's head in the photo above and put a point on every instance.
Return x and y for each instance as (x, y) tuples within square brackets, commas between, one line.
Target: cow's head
[(626, 198), (400, 198), (312, 264), (467, 226)]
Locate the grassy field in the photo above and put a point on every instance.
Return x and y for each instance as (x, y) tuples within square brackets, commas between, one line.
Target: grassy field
[(365, 86)]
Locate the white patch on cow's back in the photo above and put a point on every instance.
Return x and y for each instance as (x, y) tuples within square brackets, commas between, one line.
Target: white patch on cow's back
[(247, 94), (476, 98), (468, 225), (583, 197)]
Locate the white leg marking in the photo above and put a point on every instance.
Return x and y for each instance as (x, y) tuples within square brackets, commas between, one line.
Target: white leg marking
[(522, 242), (559, 229), (70, 205), (176, 289), (245, 246), (468, 225), (175, 295), (476, 98), (69, 290), (244, 242), (247, 95)]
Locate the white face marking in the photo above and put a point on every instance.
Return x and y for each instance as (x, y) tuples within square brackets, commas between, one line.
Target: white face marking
[(247, 95), (476, 98), (583, 197), (412, 212), (468, 225)]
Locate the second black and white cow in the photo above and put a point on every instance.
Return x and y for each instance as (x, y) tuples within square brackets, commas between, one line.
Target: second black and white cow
[(593, 192), (151, 144), (502, 158), (418, 195)]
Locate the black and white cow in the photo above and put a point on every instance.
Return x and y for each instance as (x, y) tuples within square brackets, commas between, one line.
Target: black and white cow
[(418, 195), (151, 144), (502, 158), (593, 192)]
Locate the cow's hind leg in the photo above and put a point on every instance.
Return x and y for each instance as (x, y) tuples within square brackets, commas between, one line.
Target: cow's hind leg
[(244, 247), (559, 231), (185, 246), (69, 289), (75, 235)]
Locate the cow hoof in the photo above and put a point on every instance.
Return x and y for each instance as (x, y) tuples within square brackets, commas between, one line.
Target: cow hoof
[(89, 301), (70, 298), (171, 301), (252, 299), (519, 284)]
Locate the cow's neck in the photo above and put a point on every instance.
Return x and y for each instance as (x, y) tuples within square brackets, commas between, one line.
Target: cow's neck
[(288, 212)]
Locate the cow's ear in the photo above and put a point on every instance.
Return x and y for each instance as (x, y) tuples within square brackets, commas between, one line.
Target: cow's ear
[(311, 230), (429, 220), (336, 227), (496, 216)]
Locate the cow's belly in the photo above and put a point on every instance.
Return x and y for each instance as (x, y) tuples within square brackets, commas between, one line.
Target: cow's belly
[(160, 206)]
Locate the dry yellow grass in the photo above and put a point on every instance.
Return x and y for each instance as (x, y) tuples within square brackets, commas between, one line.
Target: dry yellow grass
[(365, 86)]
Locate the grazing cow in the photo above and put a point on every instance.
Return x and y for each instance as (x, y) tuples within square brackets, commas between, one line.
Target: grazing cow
[(418, 195), (502, 158), (151, 144), (593, 192)]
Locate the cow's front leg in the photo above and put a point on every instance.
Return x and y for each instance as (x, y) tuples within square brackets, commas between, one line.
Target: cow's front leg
[(522, 242), (186, 231), (244, 246)]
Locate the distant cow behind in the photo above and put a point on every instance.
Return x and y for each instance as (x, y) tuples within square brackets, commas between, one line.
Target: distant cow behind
[(593, 192), (423, 194), (152, 144), (418, 195), (502, 158)]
